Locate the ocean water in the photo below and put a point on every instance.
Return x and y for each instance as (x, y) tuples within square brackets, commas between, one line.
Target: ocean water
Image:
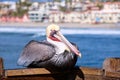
[(95, 44)]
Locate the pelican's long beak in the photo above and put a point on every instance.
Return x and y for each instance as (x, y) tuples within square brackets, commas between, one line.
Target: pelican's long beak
[(72, 48)]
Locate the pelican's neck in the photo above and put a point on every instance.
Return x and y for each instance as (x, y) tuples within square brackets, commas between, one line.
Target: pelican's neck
[(60, 47)]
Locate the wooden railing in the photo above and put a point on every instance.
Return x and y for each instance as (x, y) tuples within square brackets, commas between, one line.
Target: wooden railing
[(110, 71)]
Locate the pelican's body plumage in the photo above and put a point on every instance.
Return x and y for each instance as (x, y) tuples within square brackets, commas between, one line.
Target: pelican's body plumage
[(55, 52)]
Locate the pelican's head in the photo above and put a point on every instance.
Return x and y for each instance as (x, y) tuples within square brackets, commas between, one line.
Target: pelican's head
[(51, 31), (55, 36)]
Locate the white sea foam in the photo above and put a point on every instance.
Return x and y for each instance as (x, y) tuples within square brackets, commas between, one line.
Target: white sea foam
[(22, 30), (41, 31), (92, 31)]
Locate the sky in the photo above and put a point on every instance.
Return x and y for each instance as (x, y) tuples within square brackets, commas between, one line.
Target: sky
[(31, 0), (43, 0), (8, 0)]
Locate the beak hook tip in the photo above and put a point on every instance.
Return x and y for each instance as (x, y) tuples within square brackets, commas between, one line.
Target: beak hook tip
[(80, 55)]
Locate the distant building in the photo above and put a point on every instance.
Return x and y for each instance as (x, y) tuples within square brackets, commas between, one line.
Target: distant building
[(38, 15), (8, 5)]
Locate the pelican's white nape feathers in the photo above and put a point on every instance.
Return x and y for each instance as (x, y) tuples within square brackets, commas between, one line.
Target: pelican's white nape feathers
[(54, 52), (50, 28)]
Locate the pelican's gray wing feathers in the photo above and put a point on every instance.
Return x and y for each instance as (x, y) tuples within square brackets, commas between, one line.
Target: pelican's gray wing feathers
[(36, 51)]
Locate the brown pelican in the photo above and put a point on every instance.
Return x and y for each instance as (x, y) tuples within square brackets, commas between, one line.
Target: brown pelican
[(56, 52)]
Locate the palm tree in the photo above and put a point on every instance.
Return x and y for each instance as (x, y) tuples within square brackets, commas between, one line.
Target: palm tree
[(115, 0), (57, 0), (22, 7), (68, 4)]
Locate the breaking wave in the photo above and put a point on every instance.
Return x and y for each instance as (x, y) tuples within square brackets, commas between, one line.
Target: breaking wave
[(41, 31), (22, 30)]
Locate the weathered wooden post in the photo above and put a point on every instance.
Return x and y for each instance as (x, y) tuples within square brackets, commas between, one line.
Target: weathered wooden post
[(112, 67), (112, 64), (1, 69)]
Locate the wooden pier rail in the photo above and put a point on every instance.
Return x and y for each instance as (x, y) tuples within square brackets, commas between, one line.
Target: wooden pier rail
[(110, 71)]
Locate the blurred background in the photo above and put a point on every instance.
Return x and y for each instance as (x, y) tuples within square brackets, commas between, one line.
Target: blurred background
[(94, 25), (60, 11)]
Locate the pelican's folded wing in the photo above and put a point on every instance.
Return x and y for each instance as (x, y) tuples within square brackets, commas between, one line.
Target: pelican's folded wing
[(36, 51)]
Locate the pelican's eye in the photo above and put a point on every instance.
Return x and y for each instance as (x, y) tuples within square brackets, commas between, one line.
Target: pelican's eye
[(53, 32)]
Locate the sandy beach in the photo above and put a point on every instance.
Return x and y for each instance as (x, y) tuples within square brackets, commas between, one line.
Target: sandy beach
[(66, 25)]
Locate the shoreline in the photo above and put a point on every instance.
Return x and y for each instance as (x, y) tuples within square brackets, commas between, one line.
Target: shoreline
[(63, 25)]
